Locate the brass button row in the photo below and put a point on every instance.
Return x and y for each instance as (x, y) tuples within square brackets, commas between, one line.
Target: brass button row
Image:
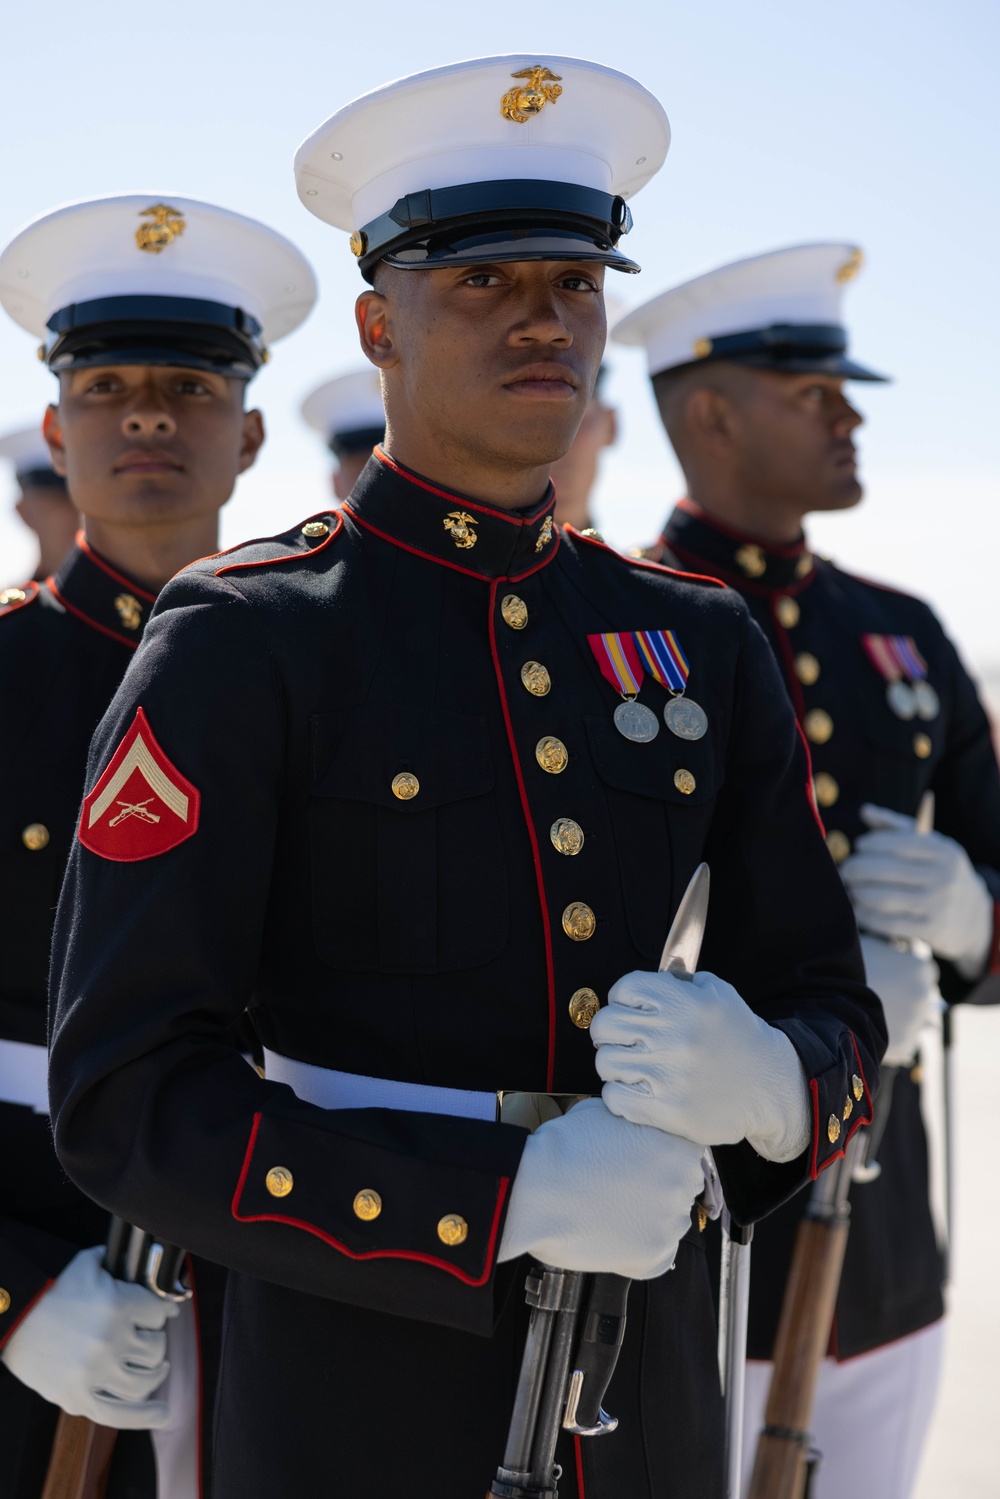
[(551, 754), (839, 845), (514, 611), (4, 1301), (826, 789), (818, 725), (578, 921), (452, 1229), (788, 612), (566, 836), (583, 1006), (807, 668), (35, 836), (536, 679)]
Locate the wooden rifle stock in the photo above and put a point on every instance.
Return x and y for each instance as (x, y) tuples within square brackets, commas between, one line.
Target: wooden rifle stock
[(80, 1461), (780, 1467)]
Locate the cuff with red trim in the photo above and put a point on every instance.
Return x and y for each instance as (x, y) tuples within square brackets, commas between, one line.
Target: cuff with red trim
[(841, 1104)]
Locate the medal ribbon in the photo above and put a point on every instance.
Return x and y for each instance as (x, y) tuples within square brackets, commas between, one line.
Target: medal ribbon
[(618, 659), (895, 657), (661, 652)]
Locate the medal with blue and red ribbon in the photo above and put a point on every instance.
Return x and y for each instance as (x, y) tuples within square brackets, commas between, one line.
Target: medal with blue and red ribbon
[(897, 659), (624, 658)]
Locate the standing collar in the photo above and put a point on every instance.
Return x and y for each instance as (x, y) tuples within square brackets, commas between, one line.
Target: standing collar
[(738, 558), (447, 528), (102, 597)]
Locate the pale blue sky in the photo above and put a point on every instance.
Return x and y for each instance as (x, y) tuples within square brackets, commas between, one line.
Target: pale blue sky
[(875, 122)]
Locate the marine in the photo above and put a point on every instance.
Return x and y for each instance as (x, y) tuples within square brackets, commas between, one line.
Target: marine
[(750, 366), (404, 814), (151, 430)]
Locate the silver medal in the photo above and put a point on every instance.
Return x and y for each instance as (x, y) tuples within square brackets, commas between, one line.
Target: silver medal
[(901, 699), (636, 721), (685, 718), (927, 700)]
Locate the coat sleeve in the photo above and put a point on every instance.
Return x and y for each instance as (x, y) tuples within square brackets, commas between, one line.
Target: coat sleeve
[(781, 930), (155, 960)]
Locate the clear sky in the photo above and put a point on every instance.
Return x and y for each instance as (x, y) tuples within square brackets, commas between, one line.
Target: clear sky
[(869, 120)]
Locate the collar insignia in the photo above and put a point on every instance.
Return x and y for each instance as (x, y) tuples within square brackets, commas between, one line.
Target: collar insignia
[(129, 610), (460, 524), (545, 534), (751, 560), (539, 88), (167, 224)]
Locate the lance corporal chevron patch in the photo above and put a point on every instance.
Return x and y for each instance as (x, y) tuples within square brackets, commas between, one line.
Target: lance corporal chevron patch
[(142, 805)]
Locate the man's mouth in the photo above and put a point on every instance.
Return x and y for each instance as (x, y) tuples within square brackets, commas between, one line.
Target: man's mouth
[(148, 463), (846, 455), (545, 381)]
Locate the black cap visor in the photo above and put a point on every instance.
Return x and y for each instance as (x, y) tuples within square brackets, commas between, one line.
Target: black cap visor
[(183, 333), (789, 348), (358, 440)]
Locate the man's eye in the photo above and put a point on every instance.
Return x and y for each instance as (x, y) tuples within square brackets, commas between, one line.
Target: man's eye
[(482, 278), (100, 387), (192, 388), (578, 283)]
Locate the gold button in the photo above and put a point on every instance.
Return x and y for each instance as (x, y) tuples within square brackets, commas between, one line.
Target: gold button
[(12, 596), (551, 754), (583, 1006), (566, 836), (405, 786), (827, 790), (535, 678), (35, 836), (751, 559), (702, 348), (857, 1087), (833, 1129), (579, 921), (916, 1073), (787, 611), (806, 668), (819, 725), (315, 528), (839, 845), (279, 1181), (453, 1230), (514, 611), (358, 243), (4, 1301), (684, 781), (848, 1107), (921, 746), (804, 565), (367, 1205)]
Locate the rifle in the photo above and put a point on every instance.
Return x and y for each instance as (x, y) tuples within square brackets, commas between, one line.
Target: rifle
[(80, 1461)]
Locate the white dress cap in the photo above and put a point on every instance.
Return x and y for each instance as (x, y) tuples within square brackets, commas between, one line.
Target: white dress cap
[(28, 455), (525, 142), (348, 412), (781, 311), (108, 276)]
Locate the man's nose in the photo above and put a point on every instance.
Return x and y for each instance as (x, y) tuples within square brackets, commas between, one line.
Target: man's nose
[(148, 417), (542, 321), (846, 420)]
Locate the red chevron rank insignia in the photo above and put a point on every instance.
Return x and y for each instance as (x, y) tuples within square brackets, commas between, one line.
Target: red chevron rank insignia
[(142, 805)]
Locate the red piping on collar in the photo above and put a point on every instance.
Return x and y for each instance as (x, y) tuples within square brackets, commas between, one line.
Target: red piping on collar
[(458, 499), (550, 976), (791, 549), (130, 645), (443, 561), (372, 1254), (233, 567), (746, 585), (656, 567), (91, 555)]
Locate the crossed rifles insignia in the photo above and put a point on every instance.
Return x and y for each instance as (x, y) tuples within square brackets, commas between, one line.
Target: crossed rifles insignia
[(540, 88)]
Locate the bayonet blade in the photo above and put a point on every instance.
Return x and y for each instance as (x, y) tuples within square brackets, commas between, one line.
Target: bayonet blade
[(682, 948)]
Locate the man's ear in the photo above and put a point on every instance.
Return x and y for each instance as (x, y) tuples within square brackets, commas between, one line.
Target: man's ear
[(52, 432), (609, 435), (708, 414), (252, 440), (371, 312)]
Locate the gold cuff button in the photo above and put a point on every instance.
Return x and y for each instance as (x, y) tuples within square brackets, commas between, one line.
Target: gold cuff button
[(921, 746), (583, 1006), (807, 668), (514, 611), (857, 1088), (566, 836), (535, 678), (279, 1181), (315, 528), (826, 788), (788, 612), (551, 754), (35, 836), (4, 1301), (579, 921), (453, 1230), (684, 781), (839, 845), (405, 786), (367, 1205), (833, 1129), (819, 726), (848, 1107)]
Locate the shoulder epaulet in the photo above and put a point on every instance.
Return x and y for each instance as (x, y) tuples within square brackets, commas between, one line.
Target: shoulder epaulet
[(12, 599), (630, 559), (303, 540)]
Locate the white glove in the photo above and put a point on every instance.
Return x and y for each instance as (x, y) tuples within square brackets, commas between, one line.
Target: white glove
[(919, 886), (96, 1347), (596, 1193), (691, 1057), (906, 983)]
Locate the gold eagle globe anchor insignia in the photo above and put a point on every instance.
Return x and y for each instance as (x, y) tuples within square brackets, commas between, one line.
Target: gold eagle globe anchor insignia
[(545, 534), (167, 224), (541, 87), (460, 525)]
